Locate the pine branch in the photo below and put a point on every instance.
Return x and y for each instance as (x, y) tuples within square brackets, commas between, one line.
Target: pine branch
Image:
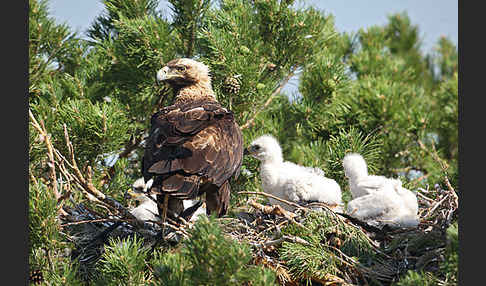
[(87, 183), (249, 122), (130, 146)]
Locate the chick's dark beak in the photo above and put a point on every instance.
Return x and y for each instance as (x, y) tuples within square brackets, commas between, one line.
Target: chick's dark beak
[(246, 152)]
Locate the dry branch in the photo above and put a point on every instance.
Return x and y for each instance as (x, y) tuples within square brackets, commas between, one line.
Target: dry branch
[(275, 209), (287, 238), (273, 197), (52, 168), (96, 220)]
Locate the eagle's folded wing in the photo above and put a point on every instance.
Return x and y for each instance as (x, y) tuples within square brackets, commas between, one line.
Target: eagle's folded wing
[(190, 144)]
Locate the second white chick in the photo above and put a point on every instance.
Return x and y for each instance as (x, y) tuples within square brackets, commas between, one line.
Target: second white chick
[(290, 181), (376, 199), (390, 204)]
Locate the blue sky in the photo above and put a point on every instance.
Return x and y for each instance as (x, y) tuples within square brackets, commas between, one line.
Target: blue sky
[(434, 18)]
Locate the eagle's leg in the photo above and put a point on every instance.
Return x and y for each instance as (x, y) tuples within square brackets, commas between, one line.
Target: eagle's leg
[(217, 199), (164, 211)]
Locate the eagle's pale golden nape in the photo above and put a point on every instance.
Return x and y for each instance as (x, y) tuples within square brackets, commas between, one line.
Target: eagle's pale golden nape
[(195, 145)]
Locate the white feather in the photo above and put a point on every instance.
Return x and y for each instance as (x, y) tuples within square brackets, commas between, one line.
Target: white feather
[(290, 181)]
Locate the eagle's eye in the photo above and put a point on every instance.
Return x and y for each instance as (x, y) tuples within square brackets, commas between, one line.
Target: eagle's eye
[(256, 147)]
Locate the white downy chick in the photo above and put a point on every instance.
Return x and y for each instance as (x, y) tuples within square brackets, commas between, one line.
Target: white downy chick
[(290, 181), (147, 208), (376, 199)]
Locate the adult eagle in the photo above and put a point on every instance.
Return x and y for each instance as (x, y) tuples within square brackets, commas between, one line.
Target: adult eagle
[(194, 146)]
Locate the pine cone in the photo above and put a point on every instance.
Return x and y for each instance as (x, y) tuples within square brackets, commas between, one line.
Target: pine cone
[(231, 85), (271, 66)]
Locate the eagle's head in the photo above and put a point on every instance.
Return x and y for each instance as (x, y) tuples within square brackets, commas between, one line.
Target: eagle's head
[(184, 72), (266, 149)]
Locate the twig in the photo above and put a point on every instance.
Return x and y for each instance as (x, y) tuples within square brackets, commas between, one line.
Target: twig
[(425, 197), (277, 210), (354, 263), (52, 168), (444, 167), (269, 100), (86, 184), (452, 192), (436, 205), (96, 220), (288, 238), (364, 225), (421, 178), (329, 207), (273, 197), (32, 178), (174, 227), (277, 226), (130, 146)]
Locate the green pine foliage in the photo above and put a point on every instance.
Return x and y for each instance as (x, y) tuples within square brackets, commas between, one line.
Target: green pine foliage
[(450, 266), (373, 92), (43, 226), (94, 128), (103, 28), (320, 257), (53, 48), (123, 263), (210, 258), (49, 248), (417, 278)]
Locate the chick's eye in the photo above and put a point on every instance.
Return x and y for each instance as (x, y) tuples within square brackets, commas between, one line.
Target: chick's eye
[(256, 147), (181, 68)]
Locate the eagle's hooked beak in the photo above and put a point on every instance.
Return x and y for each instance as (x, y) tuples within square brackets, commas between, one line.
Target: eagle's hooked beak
[(163, 75)]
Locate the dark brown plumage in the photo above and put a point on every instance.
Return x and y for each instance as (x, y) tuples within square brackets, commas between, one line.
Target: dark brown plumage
[(194, 146)]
